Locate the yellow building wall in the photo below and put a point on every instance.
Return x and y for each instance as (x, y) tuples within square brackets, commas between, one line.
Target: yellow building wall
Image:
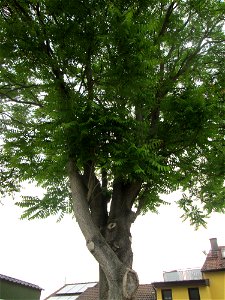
[(181, 293), (216, 284)]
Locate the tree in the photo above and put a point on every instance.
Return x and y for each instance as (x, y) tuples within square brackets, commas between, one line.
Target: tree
[(107, 105)]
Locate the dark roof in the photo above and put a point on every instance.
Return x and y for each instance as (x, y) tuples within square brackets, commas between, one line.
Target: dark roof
[(214, 261), (17, 281), (144, 292), (195, 282)]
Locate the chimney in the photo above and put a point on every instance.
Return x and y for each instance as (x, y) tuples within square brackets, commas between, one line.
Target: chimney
[(214, 245)]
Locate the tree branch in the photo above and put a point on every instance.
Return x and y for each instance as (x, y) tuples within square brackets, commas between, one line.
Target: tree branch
[(21, 9), (166, 20), (11, 118), (20, 101), (130, 193), (95, 196)]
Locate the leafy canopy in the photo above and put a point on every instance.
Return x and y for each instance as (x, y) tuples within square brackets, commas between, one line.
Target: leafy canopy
[(135, 87)]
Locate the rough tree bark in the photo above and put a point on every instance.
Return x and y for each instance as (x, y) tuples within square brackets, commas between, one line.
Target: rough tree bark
[(117, 230), (113, 252)]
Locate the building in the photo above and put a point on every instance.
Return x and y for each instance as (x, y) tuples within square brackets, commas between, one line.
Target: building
[(207, 283), (144, 292), (198, 284), (15, 289), (213, 270), (182, 289), (89, 291), (71, 291)]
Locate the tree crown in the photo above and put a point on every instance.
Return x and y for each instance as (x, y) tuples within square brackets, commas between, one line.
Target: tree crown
[(132, 91)]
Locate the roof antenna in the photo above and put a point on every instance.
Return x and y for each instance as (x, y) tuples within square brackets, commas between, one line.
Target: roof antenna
[(65, 281)]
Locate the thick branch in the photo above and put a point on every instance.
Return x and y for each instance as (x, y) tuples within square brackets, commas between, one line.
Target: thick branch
[(88, 73), (97, 202), (21, 9), (131, 191), (166, 20), (95, 241), (124, 195)]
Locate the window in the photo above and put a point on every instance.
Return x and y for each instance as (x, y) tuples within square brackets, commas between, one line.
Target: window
[(167, 294), (193, 294)]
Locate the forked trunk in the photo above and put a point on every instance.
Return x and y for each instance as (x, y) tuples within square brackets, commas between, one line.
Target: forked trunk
[(113, 252)]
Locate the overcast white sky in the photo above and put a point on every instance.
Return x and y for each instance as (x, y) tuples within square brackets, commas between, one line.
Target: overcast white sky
[(49, 254)]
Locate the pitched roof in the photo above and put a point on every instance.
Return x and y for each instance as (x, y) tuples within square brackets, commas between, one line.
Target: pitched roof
[(17, 281), (144, 292), (214, 260), (70, 291), (89, 294)]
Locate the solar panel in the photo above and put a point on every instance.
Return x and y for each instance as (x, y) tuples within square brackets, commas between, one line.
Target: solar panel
[(75, 288), (66, 289), (86, 286)]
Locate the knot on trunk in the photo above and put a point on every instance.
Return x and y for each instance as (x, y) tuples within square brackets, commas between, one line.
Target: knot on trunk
[(111, 225), (91, 246), (130, 283)]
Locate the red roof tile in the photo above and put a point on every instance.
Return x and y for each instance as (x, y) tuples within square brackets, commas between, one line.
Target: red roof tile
[(144, 292), (214, 261), (89, 294)]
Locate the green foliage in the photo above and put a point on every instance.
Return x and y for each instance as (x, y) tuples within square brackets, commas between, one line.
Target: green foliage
[(135, 87), (55, 202)]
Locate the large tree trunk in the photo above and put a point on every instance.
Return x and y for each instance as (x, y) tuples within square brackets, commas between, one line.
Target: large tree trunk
[(117, 232), (118, 237), (113, 252)]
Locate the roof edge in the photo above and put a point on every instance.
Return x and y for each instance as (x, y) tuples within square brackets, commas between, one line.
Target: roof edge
[(196, 282), (21, 282), (213, 270)]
